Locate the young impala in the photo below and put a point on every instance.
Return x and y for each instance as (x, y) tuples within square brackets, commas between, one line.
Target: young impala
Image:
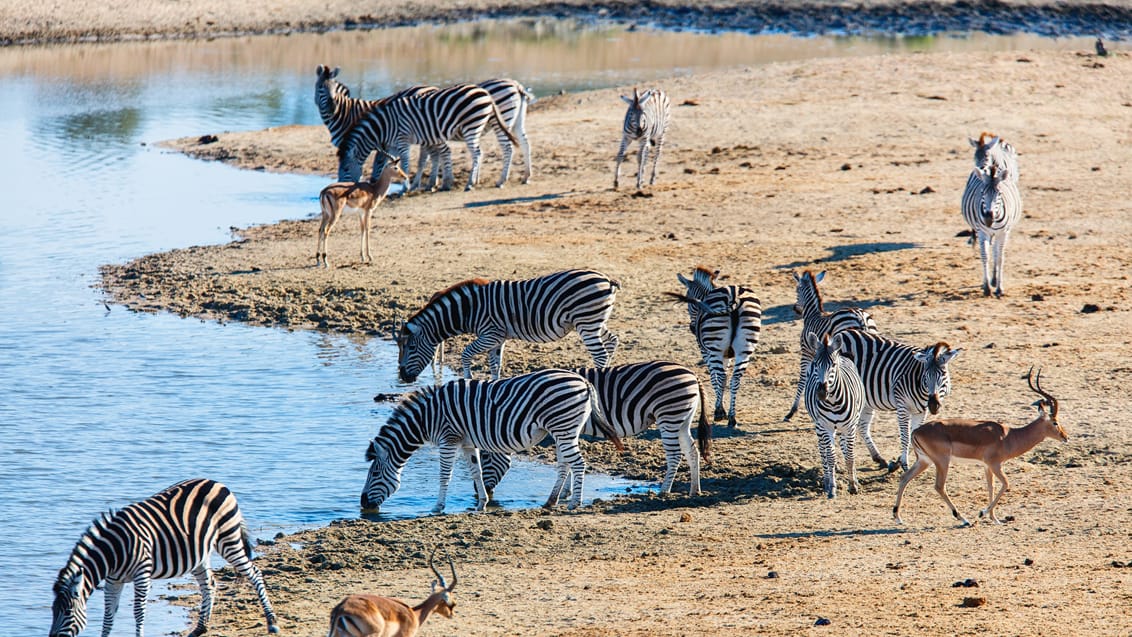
[(362, 196), (364, 615), (986, 441)]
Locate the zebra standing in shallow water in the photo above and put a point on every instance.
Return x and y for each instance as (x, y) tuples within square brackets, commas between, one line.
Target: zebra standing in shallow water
[(646, 121), (632, 398), (992, 206), (834, 400), (900, 378), (726, 322), (541, 310), (815, 319), (462, 111), (504, 416), (167, 535)]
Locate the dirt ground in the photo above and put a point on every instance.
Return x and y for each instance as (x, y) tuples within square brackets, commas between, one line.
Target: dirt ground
[(854, 167)]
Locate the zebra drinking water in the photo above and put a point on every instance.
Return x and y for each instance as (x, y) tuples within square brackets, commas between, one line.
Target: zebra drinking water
[(541, 310), (503, 416), (646, 120), (726, 322), (166, 535), (834, 400)]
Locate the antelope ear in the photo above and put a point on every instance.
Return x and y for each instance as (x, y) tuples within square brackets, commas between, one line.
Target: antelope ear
[(819, 277)]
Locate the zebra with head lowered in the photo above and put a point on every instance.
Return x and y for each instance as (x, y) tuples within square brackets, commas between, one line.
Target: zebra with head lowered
[(632, 398), (167, 535), (815, 319), (504, 416), (992, 206), (834, 400), (430, 119), (726, 322), (900, 378), (646, 120), (540, 310)]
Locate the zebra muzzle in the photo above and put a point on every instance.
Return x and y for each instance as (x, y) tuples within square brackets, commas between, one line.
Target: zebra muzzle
[(933, 404)]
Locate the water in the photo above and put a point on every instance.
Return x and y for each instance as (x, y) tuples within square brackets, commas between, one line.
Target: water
[(102, 407)]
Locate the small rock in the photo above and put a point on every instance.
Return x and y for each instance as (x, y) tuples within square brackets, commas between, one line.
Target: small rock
[(846, 167), (1037, 297), (685, 517), (1028, 562), (690, 103), (689, 171), (973, 602), (772, 575), (207, 139), (822, 621), (1089, 308), (545, 525), (967, 583), (926, 190)]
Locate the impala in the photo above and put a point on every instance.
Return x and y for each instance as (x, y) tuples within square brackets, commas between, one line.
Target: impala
[(987, 441), (364, 615), (362, 196)]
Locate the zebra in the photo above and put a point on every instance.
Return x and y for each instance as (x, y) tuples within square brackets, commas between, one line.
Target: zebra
[(991, 149), (428, 119), (815, 319), (835, 399), (504, 416), (541, 310), (646, 120), (166, 535), (632, 398), (900, 378), (340, 112), (726, 322), (992, 206)]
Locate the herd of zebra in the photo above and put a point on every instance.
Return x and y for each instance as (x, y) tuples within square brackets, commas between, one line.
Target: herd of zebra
[(848, 370)]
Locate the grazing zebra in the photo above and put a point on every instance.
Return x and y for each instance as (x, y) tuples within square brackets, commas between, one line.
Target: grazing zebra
[(815, 319), (992, 206), (504, 416), (726, 322), (646, 121), (900, 378), (167, 535), (834, 400), (430, 119), (541, 310), (340, 112), (632, 398)]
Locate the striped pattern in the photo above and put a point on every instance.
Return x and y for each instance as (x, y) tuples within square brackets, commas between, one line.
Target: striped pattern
[(992, 206), (727, 322), (503, 416), (992, 150), (430, 119), (835, 399), (815, 319), (539, 310), (633, 398), (646, 121), (900, 378), (167, 535)]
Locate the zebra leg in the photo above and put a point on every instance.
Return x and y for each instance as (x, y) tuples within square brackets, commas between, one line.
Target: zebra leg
[(447, 460), (563, 472), (655, 161), (718, 379), (676, 441), (738, 368), (610, 341), (505, 146), (578, 469), (984, 245), (805, 371), (828, 462), (848, 442), (620, 158), (477, 478), (906, 422), (642, 158), (477, 155), (595, 342), (865, 425), (999, 263), (239, 556), (484, 342), (446, 161), (141, 592), (112, 593), (203, 576), (403, 154), (495, 360)]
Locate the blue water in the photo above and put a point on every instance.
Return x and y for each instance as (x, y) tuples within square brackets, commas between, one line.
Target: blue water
[(99, 406)]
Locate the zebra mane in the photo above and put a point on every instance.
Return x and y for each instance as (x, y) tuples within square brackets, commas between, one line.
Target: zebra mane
[(939, 348), (76, 562), (984, 136), (452, 289), (707, 273)]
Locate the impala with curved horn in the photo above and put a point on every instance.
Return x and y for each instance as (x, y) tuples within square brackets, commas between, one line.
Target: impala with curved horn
[(362, 196), (365, 615), (987, 441)]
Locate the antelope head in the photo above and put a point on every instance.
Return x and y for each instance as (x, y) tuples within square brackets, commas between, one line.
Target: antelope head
[(1047, 406), (439, 587)]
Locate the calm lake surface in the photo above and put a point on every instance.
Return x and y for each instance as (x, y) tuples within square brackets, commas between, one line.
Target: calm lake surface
[(102, 407)]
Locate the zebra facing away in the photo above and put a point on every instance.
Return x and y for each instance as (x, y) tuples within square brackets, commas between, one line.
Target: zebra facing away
[(726, 322), (900, 378), (504, 416), (167, 535), (992, 206), (462, 112), (540, 310), (646, 120), (834, 400), (632, 398), (815, 319)]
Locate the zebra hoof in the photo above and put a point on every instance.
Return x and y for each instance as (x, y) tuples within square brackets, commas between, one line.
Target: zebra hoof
[(731, 422), (719, 414), (273, 629)]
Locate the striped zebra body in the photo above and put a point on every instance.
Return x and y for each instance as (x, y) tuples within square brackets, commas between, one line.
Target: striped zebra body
[(504, 416), (815, 319), (646, 121), (167, 535), (539, 310), (462, 112), (835, 399), (633, 398), (992, 206), (897, 377), (726, 322)]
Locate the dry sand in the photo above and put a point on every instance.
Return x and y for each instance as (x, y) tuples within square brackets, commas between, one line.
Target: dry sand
[(851, 166)]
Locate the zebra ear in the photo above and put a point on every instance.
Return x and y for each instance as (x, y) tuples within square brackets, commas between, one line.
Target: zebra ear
[(797, 277), (947, 356), (680, 277), (819, 277), (835, 342), (974, 142), (812, 340), (627, 99), (334, 73), (645, 97)]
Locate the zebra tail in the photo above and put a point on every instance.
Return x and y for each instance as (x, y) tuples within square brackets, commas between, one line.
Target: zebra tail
[(706, 309), (597, 416), (498, 117), (703, 431), (246, 539)]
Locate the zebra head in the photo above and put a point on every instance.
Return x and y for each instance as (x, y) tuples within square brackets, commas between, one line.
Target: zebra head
[(806, 288), (983, 149), (990, 206), (636, 121), (384, 477), (327, 91), (826, 364), (935, 377), (416, 349), (68, 611)]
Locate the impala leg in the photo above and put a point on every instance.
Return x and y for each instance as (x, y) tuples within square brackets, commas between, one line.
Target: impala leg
[(366, 216), (329, 218), (941, 467), (989, 511), (922, 463)]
